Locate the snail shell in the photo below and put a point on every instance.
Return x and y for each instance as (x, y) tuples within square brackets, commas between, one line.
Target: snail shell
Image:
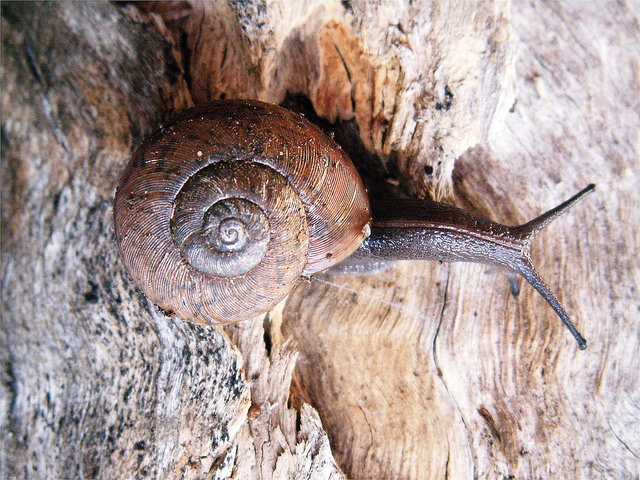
[(221, 211)]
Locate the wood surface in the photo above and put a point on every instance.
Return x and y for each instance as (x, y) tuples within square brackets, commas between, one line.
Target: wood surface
[(426, 370)]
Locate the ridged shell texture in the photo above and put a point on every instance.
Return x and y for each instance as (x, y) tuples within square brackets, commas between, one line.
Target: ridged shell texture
[(244, 159)]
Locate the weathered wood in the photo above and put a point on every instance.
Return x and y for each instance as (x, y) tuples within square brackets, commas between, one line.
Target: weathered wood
[(423, 371), (431, 371), (97, 383)]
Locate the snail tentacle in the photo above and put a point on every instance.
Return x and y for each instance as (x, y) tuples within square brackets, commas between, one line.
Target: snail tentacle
[(413, 229)]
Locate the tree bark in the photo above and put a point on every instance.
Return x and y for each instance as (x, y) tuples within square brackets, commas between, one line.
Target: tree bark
[(422, 371)]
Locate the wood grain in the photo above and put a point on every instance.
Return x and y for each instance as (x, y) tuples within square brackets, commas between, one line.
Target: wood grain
[(423, 371)]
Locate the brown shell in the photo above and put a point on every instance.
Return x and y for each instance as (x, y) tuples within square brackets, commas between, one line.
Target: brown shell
[(250, 144)]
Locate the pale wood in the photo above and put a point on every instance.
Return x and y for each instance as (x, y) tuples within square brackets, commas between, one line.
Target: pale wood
[(424, 371), (432, 371)]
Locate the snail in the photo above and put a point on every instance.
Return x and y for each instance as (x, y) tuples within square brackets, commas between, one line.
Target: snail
[(223, 209)]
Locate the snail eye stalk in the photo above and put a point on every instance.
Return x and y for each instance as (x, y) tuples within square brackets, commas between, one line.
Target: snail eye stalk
[(411, 229)]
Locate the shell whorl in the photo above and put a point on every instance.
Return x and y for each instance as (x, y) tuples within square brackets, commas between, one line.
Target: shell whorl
[(220, 219), (221, 210)]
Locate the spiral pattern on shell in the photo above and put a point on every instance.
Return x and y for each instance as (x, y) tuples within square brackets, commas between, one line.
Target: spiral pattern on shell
[(220, 211)]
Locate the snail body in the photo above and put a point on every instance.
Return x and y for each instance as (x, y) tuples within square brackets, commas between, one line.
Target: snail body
[(225, 207)]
